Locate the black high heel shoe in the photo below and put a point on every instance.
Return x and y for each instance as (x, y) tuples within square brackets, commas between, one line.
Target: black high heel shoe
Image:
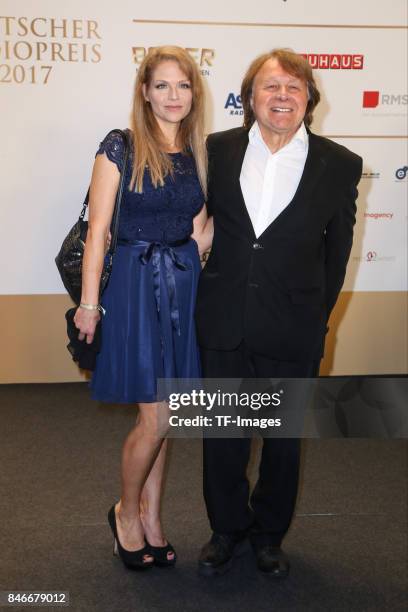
[(132, 559), (159, 554)]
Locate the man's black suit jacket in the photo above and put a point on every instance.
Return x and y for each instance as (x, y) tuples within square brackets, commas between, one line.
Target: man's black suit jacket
[(276, 291)]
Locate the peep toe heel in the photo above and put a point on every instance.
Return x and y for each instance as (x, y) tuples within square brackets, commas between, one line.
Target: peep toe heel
[(159, 554), (132, 559)]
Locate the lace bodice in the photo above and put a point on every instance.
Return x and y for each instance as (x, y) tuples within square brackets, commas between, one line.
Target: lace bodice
[(164, 214)]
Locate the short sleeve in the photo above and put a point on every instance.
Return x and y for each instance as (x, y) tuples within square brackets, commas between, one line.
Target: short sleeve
[(114, 148)]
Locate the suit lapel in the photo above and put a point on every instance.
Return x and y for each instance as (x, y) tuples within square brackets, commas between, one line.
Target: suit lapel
[(235, 169), (315, 166)]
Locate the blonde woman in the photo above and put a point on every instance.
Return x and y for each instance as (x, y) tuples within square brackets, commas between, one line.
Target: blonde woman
[(148, 328)]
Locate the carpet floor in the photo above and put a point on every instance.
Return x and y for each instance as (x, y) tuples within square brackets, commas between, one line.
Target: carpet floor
[(59, 474)]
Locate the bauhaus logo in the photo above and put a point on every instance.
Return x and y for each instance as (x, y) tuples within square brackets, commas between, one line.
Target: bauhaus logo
[(334, 61), (373, 99)]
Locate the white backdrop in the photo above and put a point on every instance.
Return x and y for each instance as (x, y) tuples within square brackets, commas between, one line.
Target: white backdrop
[(66, 78)]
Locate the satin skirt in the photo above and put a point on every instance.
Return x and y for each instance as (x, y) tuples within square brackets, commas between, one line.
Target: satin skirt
[(148, 331)]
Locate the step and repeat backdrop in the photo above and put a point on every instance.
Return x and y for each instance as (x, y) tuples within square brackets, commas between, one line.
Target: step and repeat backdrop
[(66, 77), (67, 72)]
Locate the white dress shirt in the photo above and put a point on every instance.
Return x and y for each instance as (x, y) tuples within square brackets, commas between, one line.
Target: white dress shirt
[(270, 180)]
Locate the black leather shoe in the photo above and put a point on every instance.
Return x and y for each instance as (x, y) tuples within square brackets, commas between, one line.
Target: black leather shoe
[(217, 555), (272, 561)]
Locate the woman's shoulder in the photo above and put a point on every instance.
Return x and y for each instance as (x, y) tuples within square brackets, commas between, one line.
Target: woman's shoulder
[(113, 146), (116, 139)]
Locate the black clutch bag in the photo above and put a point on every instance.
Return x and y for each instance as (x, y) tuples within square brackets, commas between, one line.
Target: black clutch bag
[(70, 256)]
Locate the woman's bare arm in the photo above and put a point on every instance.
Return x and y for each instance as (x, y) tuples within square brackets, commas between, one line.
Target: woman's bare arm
[(203, 230), (104, 185)]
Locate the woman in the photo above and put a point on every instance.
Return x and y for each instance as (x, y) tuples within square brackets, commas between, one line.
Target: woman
[(148, 327)]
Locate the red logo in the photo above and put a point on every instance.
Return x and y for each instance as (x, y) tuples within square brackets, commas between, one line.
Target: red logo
[(337, 61), (371, 255), (371, 99)]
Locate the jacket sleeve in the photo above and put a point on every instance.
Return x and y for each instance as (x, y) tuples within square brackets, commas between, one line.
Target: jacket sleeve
[(210, 153), (339, 237)]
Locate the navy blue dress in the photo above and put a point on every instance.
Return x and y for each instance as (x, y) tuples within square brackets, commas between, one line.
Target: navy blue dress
[(148, 330)]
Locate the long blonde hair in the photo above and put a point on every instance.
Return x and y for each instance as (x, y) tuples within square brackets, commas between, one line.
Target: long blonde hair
[(147, 136)]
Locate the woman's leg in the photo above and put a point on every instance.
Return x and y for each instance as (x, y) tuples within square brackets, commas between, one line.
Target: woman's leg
[(140, 451), (151, 499), (150, 505)]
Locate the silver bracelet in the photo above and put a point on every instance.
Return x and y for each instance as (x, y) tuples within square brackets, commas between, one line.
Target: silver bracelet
[(92, 307)]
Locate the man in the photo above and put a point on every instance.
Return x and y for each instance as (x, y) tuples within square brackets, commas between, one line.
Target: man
[(283, 202)]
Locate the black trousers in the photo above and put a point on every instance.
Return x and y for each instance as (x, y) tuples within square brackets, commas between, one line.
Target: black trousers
[(268, 511)]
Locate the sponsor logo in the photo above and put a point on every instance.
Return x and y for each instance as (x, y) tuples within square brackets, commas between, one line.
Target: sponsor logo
[(373, 99), (370, 175), (401, 173), (203, 57), (370, 99), (373, 256), (334, 61), (377, 215), (233, 104)]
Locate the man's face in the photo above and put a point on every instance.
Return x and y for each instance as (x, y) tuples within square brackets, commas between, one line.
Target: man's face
[(278, 100)]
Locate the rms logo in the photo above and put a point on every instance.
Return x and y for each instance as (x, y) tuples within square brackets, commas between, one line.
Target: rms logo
[(371, 99), (337, 61)]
